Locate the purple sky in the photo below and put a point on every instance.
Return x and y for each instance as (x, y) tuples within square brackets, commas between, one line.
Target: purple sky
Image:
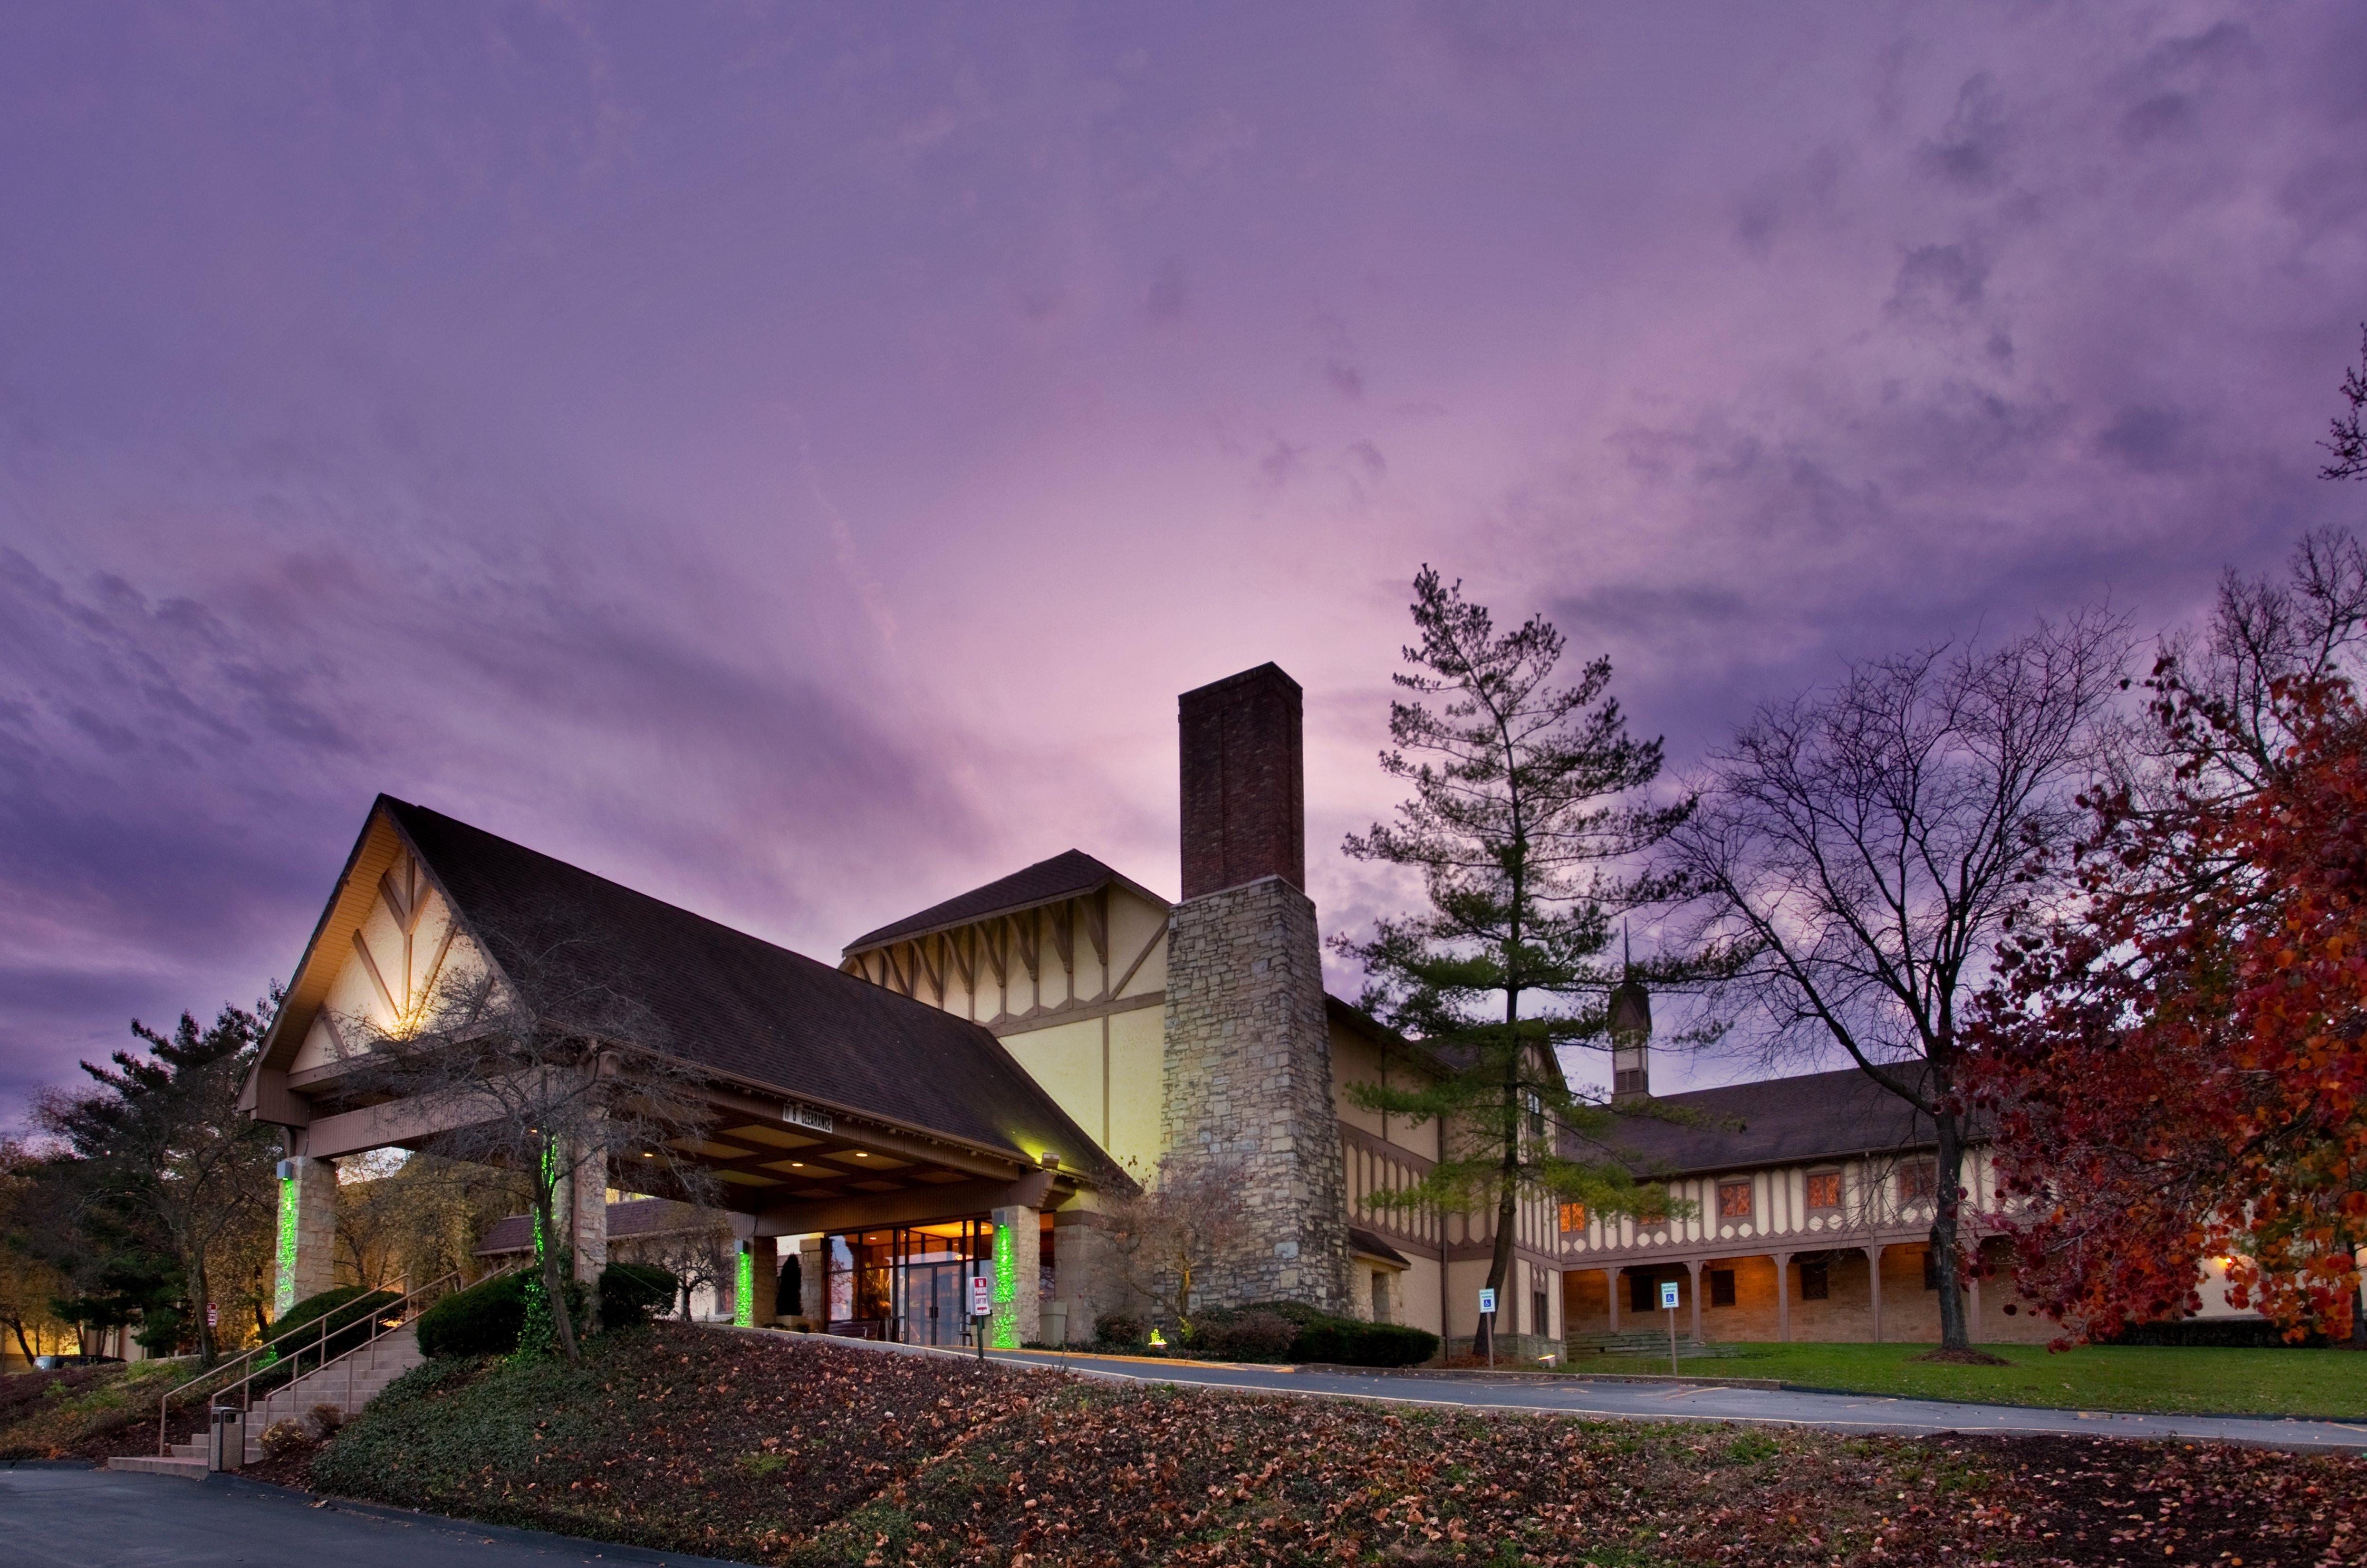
[(788, 458)]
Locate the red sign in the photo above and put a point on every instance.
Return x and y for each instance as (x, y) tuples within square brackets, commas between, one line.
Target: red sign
[(981, 1297)]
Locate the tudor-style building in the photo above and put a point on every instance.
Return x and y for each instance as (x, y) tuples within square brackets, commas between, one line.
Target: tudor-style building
[(974, 1080)]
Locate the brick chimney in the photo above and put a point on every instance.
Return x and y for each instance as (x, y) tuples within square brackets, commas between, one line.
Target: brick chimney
[(1248, 1056), (1244, 782)]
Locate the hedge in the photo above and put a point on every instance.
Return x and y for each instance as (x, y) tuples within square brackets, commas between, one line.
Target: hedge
[(2217, 1333), (485, 1319), (1347, 1341)]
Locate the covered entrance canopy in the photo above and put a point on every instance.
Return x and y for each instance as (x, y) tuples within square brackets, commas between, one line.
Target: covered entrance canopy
[(833, 1104)]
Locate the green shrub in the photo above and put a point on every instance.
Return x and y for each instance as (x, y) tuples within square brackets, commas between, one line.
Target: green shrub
[(1349, 1341), (1251, 1335), (1119, 1331), (631, 1294), (483, 1320)]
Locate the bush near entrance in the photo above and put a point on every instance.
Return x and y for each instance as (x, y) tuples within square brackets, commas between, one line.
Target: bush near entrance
[(485, 1319), (1335, 1340)]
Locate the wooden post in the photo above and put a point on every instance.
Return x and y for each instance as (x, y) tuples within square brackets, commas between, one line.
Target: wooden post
[(1783, 1297), (1694, 1269), (1873, 1285)]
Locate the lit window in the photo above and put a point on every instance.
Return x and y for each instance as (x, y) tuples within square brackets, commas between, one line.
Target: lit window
[(1573, 1217), (1734, 1200), (1916, 1182), (1825, 1190)]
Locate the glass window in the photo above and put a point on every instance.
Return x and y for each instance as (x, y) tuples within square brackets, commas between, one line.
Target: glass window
[(1734, 1200), (1916, 1181), (1721, 1286), (1573, 1217), (1825, 1190), (1816, 1279)]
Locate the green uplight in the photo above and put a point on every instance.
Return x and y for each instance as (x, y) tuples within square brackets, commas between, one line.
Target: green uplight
[(283, 1295), (743, 1298), (1006, 1287)]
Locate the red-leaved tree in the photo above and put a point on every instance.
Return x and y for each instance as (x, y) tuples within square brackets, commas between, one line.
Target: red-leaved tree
[(2177, 1053)]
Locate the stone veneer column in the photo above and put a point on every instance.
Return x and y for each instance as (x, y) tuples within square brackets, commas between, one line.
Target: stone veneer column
[(308, 1230), (760, 1276), (813, 1284), (1018, 1273), (586, 1224), (1248, 1085)]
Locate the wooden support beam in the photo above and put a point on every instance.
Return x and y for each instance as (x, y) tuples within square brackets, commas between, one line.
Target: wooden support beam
[(934, 972), (369, 967), (1158, 935), (996, 938), (1023, 935), (1064, 923), (961, 945), (1097, 927)]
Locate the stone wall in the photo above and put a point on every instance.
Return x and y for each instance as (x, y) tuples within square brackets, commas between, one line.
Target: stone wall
[(1248, 1084)]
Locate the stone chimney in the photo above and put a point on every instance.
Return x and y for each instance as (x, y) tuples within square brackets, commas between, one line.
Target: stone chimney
[(1244, 783), (1247, 1060)]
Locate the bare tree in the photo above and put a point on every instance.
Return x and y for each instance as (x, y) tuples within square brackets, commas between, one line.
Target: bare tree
[(699, 1253), (1858, 852), (540, 1062), (1172, 1235)]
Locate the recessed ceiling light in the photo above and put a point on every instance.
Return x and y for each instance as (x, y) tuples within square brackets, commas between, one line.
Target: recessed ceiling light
[(798, 1164)]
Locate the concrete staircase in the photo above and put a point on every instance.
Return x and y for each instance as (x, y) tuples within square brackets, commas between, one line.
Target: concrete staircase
[(349, 1382)]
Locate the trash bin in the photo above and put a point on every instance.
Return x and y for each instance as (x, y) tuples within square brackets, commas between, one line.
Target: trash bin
[(226, 1438)]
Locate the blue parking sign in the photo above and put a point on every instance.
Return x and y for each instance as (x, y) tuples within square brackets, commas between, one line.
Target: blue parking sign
[(1668, 1295)]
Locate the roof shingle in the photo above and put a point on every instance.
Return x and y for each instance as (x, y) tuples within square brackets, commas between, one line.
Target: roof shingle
[(1068, 875), (761, 1013), (1773, 1121)]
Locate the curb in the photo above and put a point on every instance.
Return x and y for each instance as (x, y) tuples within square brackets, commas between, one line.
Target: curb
[(50, 1464), (610, 1550)]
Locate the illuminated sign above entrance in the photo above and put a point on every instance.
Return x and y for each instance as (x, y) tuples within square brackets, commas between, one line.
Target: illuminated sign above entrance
[(807, 1116)]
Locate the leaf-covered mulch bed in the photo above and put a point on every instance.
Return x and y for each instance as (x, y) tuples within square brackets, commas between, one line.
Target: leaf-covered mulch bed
[(90, 1412), (797, 1451)]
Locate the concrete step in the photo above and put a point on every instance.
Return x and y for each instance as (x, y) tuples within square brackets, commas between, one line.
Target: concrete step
[(187, 1469)]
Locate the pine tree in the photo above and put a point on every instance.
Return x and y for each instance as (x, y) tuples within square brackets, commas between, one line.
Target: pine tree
[(1524, 809)]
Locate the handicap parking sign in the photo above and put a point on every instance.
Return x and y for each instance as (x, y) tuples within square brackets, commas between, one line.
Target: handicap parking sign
[(1486, 1302), (1668, 1295)]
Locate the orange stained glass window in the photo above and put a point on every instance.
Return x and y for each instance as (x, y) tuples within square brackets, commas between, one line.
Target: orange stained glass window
[(1734, 1200), (1916, 1181), (1573, 1217), (1825, 1190)]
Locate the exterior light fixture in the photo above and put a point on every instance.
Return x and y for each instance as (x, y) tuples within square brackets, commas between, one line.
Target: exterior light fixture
[(1048, 1160), (796, 1165), (860, 1155)]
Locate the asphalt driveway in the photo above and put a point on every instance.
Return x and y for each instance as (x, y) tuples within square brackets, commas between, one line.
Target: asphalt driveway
[(95, 1519), (1706, 1401)]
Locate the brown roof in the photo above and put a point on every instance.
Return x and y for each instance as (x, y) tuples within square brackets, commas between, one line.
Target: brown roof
[(1365, 1244), (1773, 1121), (734, 1003), (628, 1219), (1068, 874)]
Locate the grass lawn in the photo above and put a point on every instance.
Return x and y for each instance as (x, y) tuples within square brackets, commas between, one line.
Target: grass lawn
[(2103, 1377)]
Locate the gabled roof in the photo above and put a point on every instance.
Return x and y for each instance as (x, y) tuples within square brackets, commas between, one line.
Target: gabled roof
[(1068, 874), (741, 1006), (1792, 1121)]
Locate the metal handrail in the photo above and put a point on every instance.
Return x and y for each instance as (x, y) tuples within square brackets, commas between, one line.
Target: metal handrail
[(381, 1321)]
